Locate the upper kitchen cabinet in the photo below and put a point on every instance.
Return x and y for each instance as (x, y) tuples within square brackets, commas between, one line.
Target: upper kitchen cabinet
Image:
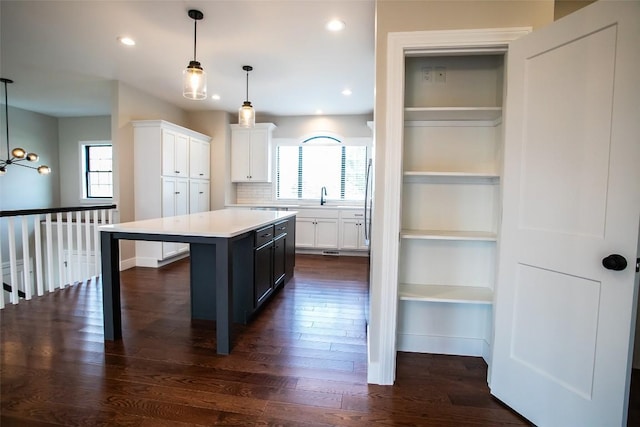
[(251, 153), (175, 153), (199, 161)]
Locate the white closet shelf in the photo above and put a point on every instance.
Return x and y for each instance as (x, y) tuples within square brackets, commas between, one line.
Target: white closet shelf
[(445, 293), (452, 113), (448, 235), (461, 177)]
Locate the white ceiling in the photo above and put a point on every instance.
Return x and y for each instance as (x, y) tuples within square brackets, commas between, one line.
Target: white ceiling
[(63, 55)]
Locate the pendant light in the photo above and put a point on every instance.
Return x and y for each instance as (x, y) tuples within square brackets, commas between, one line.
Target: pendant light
[(194, 78), (246, 113), (17, 154)]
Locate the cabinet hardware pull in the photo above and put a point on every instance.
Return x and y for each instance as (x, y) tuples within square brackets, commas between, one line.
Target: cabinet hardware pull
[(177, 192), (201, 174), (202, 192), (177, 171)]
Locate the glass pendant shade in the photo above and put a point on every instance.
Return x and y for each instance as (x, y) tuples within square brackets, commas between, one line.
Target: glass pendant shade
[(32, 157), (247, 115), (194, 81)]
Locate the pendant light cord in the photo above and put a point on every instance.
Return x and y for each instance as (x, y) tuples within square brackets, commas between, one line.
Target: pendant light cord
[(195, 35), (247, 86)]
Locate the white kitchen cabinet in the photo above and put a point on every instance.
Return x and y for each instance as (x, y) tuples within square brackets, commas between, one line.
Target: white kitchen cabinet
[(352, 230), (317, 229), (199, 158), (198, 195), (175, 154), (175, 201), (162, 186), (251, 153)]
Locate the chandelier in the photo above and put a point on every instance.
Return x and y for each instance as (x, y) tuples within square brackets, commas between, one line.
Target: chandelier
[(17, 155)]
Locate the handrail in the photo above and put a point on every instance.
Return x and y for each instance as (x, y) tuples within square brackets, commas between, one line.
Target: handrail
[(54, 210)]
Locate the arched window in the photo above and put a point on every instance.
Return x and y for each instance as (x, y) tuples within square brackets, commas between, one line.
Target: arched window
[(322, 160)]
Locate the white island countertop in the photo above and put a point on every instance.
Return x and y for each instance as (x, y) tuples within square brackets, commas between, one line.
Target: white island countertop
[(221, 223)]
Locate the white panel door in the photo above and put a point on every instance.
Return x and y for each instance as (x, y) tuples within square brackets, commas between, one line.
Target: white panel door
[(564, 322)]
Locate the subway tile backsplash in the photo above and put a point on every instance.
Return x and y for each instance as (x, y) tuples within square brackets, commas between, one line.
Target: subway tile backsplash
[(250, 192)]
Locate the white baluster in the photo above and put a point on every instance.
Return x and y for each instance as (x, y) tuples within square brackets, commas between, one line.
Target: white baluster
[(96, 244), (78, 257), (87, 245), (26, 265), (60, 240), (12, 262), (49, 228), (38, 249), (69, 264)]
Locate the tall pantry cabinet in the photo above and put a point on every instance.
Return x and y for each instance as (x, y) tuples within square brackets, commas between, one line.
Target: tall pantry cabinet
[(448, 210), (171, 177)]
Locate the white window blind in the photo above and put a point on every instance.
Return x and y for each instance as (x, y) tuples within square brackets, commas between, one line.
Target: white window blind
[(302, 171)]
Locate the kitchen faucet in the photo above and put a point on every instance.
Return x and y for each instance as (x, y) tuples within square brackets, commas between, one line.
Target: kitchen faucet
[(323, 192)]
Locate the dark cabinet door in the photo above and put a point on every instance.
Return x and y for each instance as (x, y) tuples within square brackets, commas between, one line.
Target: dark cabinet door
[(279, 259), (263, 277)]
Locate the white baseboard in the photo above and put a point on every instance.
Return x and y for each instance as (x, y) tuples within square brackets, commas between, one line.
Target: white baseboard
[(126, 264), (331, 252), (155, 263), (444, 345)]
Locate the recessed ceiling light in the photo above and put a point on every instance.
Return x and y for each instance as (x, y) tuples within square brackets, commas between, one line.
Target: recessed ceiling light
[(127, 41), (318, 111), (335, 25), (347, 92), (215, 97)]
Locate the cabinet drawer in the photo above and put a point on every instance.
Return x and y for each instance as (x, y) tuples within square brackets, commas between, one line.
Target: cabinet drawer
[(281, 228), (352, 214), (318, 213), (264, 235)]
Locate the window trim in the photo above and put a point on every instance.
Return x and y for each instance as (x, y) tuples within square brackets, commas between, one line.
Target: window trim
[(83, 172), (345, 141)]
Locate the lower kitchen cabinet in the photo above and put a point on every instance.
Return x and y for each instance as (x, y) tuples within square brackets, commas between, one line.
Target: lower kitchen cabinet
[(175, 201), (317, 229), (272, 267), (352, 233), (263, 270)]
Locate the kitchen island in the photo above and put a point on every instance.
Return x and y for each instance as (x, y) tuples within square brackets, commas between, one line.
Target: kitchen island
[(239, 254)]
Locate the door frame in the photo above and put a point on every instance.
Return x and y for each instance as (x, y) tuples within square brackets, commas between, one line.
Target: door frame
[(384, 287)]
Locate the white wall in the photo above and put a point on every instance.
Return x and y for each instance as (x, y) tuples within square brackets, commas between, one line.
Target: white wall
[(216, 125), (71, 131), (299, 126), (23, 188)]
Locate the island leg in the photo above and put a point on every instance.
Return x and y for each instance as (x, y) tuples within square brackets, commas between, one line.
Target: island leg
[(224, 295), (211, 287), (110, 286)]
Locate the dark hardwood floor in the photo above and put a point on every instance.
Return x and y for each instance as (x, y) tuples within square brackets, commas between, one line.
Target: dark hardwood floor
[(302, 362)]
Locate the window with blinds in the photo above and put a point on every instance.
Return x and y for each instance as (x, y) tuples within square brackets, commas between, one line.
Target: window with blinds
[(302, 171), (98, 174)]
